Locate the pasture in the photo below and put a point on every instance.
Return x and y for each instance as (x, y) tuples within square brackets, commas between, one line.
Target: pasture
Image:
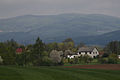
[(56, 73)]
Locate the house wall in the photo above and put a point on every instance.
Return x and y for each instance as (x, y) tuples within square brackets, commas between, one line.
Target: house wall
[(119, 56), (72, 56), (92, 54), (95, 52)]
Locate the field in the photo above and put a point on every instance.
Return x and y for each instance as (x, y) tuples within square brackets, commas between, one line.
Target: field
[(97, 66), (56, 73)]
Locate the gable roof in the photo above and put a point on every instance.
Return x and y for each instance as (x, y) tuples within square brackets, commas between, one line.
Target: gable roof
[(86, 49), (19, 50)]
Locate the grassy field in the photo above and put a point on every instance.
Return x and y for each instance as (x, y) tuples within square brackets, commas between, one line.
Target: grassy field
[(56, 73)]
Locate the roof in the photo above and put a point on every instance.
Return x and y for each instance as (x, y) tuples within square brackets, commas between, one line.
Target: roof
[(86, 49), (19, 50)]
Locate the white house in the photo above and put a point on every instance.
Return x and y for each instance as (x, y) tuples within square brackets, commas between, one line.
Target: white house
[(119, 56), (72, 56), (1, 60), (90, 51)]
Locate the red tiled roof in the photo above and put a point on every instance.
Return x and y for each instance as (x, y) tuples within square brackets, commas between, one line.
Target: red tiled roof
[(19, 50)]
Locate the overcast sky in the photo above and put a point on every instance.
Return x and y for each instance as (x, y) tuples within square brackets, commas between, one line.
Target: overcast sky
[(11, 8)]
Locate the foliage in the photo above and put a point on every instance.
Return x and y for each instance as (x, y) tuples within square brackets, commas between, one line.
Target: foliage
[(38, 52), (41, 54), (7, 52), (111, 59), (86, 59), (21, 59), (103, 60), (113, 47), (55, 56)]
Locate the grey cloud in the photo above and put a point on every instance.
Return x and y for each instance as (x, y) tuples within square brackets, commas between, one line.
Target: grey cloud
[(10, 8)]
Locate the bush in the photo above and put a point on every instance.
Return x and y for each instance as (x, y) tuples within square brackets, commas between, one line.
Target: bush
[(103, 60), (113, 59), (46, 61), (76, 60), (65, 60), (87, 59)]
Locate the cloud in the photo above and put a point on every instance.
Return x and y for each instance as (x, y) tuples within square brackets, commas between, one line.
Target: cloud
[(10, 8)]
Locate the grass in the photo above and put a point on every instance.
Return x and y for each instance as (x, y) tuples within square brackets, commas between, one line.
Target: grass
[(55, 73)]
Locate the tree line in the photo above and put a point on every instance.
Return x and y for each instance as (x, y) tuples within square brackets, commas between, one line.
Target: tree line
[(41, 54)]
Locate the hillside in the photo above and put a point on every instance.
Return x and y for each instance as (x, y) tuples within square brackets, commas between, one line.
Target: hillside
[(99, 39), (58, 27)]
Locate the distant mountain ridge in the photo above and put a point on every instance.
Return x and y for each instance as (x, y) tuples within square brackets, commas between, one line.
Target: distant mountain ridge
[(58, 27)]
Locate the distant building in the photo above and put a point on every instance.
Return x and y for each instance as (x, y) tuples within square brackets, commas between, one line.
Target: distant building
[(73, 55), (1, 60), (90, 51), (19, 50), (119, 56)]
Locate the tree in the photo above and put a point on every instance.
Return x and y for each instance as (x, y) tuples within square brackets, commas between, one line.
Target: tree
[(68, 44), (68, 40), (87, 58), (55, 56), (52, 46), (113, 58), (67, 52), (38, 52), (61, 47), (7, 52), (80, 45), (113, 47), (21, 59)]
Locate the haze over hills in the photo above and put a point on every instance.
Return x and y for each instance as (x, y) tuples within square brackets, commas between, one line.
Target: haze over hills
[(89, 28)]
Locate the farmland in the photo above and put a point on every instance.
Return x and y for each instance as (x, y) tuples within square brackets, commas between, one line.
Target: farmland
[(56, 73)]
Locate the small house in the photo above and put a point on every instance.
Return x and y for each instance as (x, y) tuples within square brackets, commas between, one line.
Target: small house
[(70, 56), (118, 56), (90, 51), (19, 50)]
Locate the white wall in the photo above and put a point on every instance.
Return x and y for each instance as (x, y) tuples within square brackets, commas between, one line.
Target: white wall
[(93, 54)]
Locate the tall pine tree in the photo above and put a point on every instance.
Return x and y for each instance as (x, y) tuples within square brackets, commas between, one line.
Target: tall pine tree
[(37, 53)]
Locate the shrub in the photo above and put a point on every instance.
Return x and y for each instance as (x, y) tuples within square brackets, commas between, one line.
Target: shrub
[(103, 60), (113, 59)]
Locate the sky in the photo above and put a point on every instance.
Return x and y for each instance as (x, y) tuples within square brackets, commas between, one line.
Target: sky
[(12, 8)]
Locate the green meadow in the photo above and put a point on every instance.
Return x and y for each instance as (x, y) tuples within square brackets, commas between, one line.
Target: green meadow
[(56, 73)]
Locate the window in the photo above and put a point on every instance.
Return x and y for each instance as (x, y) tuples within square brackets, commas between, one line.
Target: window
[(79, 52)]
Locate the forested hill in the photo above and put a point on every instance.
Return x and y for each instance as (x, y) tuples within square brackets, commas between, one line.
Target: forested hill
[(58, 27)]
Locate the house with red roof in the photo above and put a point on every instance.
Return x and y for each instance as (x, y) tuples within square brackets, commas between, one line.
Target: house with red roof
[(19, 50)]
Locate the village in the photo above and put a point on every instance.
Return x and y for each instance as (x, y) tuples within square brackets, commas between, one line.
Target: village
[(62, 53)]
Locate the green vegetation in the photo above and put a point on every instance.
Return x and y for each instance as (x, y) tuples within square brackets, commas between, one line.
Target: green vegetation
[(112, 50), (55, 73), (41, 54)]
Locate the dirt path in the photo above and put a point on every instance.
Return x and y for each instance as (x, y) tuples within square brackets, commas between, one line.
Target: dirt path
[(100, 66)]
